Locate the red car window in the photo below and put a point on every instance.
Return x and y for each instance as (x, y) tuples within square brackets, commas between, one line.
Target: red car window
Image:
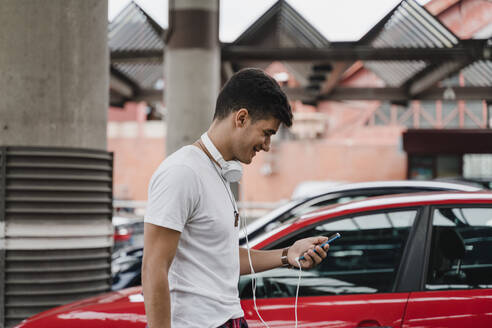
[(457, 291), (461, 253), (364, 261)]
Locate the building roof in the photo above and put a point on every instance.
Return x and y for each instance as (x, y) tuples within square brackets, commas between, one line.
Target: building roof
[(479, 73), (411, 26), (132, 31), (408, 31), (283, 25)]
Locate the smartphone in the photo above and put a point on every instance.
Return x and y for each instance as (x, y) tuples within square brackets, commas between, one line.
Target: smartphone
[(330, 239)]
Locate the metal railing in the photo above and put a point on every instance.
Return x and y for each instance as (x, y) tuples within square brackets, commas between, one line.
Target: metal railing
[(251, 210)]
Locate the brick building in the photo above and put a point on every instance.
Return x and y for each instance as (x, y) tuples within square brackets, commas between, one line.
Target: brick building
[(341, 137)]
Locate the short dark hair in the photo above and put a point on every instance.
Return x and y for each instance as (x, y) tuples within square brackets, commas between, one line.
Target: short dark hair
[(259, 93)]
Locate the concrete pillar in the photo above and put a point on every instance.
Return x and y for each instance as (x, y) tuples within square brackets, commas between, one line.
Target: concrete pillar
[(54, 73), (191, 69), (55, 203)]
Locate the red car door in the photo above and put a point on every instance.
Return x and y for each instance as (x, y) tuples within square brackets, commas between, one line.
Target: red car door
[(347, 311), (451, 309), (353, 287), (457, 289)]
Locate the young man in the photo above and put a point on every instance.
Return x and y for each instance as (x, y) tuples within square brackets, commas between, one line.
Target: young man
[(192, 261)]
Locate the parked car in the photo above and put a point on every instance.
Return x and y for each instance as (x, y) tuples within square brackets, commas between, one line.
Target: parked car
[(128, 232), (329, 194), (129, 275), (414, 260), (126, 267), (312, 188)]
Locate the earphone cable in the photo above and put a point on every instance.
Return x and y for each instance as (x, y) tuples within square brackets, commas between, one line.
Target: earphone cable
[(253, 280), (297, 290)]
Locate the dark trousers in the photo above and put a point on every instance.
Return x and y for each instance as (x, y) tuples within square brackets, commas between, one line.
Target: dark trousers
[(235, 323)]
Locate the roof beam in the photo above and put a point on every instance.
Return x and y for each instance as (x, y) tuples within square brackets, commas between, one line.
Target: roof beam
[(300, 93), (461, 93), (150, 96), (334, 76), (340, 67), (347, 93), (355, 52), (396, 94), (470, 50), (432, 77), (120, 87), (137, 56)]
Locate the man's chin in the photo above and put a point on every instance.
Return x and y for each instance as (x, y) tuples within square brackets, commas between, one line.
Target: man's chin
[(246, 161)]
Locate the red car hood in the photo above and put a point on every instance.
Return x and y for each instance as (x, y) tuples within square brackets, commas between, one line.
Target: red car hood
[(122, 309)]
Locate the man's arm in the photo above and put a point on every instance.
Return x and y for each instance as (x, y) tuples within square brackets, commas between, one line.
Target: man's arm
[(160, 246), (266, 260)]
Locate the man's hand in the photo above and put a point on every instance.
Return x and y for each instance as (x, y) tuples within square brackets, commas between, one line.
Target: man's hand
[(305, 247)]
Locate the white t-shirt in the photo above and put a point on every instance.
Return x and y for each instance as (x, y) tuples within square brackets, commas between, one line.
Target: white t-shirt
[(187, 194)]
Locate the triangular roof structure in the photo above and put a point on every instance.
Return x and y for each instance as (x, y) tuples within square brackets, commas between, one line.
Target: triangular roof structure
[(282, 26), (411, 26), (136, 43), (134, 30), (414, 26)]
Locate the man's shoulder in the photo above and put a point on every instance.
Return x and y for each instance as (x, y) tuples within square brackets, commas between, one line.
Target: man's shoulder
[(183, 153), (184, 160)]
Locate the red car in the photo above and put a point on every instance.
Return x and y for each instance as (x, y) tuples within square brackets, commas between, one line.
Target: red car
[(419, 260)]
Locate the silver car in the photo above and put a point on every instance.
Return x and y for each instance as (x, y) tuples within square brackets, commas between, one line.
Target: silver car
[(339, 194)]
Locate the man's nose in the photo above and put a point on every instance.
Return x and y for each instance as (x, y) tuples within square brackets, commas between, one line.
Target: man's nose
[(266, 144)]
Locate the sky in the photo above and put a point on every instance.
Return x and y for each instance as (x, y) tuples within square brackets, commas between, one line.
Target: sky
[(337, 20)]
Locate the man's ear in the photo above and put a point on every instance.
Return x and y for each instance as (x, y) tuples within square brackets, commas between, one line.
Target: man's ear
[(241, 117)]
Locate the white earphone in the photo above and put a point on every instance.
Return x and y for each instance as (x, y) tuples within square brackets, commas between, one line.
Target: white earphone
[(231, 171)]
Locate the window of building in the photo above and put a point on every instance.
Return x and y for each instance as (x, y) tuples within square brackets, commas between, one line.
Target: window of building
[(478, 167), (448, 166), (421, 167), (425, 167)]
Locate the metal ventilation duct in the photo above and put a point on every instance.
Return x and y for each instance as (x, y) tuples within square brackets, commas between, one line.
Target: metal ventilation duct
[(55, 228)]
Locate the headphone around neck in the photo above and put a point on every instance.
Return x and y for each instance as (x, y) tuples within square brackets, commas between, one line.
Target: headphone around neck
[(231, 171)]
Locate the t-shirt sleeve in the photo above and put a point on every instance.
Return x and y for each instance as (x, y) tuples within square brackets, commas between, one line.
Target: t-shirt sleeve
[(173, 197)]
